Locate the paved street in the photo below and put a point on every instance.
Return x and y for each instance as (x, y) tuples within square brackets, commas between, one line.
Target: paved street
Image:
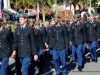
[(90, 68)]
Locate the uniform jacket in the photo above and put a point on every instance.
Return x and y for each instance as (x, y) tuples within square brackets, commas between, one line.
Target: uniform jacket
[(6, 43), (49, 38), (60, 35), (39, 39), (77, 35), (92, 30), (25, 42)]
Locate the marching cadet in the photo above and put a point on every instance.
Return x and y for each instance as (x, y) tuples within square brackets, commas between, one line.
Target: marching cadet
[(6, 47), (31, 23), (43, 33), (68, 25), (33, 63), (40, 46), (17, 61), (82, 20), (25, 43), (9, 72), (97, 18), (77, 39), (49, 43), (59, 33), (9, 28), (92, 36), (63, 22)]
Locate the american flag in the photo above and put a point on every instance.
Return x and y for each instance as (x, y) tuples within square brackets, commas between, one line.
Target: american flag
[(37, 12), (0, 8)]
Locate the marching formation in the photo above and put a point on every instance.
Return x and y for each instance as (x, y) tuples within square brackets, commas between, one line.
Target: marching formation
[(29, 41)]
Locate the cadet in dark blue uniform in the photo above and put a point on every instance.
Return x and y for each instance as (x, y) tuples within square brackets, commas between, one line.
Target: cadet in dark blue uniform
[(33, 63), (60, 35), (26, 44), (97, 18), (49, 43), (92, 36), (17, 61), (6, 47), (31, 23), (68, 26), (82, 20), (77, 39), (40, 46), (43, 33)]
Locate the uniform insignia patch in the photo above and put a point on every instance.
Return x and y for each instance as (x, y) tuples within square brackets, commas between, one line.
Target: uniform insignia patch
[(73, 27), (87, 25), (94, 25)]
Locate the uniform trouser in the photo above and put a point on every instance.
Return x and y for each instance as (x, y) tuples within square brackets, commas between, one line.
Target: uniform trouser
[(4, 65), (18, 65), (51, 52), (25, 65), (73, 53), (92, 48), (59, 54), (83, 49), (34, 63), (70, 48), (78, 50), (32, 66), (9, 72), (41, 58)]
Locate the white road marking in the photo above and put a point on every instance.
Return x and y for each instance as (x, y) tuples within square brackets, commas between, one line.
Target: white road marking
[(89, 52)]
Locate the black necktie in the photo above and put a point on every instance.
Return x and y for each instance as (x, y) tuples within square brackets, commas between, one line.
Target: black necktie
[(22, 29), (91, 21)]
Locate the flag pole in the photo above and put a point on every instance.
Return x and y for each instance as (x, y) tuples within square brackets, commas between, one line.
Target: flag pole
[(37, 11), (1, 9)]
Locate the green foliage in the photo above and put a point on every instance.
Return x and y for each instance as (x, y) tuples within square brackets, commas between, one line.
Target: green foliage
[(49, 2), (15, 7)]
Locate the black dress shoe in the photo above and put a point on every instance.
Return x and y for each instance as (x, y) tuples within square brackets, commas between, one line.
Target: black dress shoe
[(79, 68), (82, 66), (40, 70), (92, 60), (96, 60), (73, 61), (84, 56)]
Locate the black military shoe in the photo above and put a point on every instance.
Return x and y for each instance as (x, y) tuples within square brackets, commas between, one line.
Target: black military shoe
[(84, 56), (92, 60), (59, 74), (73, 61), (96, 60), (40, 70), (79, 68), (82, 66)]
